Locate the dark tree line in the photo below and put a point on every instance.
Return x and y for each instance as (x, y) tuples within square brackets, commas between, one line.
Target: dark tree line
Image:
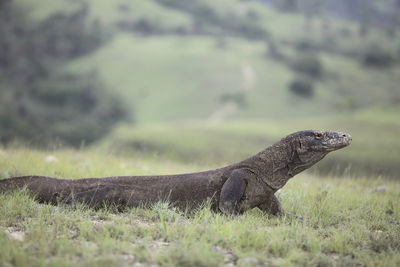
[(39, 100), (368, 13), (209, 22)]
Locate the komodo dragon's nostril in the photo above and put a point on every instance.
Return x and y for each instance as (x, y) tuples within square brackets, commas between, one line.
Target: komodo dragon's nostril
[(347, 137)]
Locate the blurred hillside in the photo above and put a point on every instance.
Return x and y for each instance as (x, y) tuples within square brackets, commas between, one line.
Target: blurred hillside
[(206, 60), (268, 67)]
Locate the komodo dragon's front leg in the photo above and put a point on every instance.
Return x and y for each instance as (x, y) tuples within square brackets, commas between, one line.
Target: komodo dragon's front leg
[(242, 186), (272, 206), (232, 191)]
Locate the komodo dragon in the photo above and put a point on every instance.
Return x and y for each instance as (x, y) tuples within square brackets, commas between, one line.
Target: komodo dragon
[(231, 190)]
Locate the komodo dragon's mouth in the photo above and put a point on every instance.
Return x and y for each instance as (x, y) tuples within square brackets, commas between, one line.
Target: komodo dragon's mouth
[(339, 141)]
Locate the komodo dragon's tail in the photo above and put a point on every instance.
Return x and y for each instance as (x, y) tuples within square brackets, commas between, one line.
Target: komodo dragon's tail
[(14, 183), (46, 189)]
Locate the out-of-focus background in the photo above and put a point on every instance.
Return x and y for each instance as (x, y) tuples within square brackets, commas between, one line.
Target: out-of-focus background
[(202, 81)]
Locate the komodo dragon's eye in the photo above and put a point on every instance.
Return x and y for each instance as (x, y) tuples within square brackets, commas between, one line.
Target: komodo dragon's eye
[(318, 135)]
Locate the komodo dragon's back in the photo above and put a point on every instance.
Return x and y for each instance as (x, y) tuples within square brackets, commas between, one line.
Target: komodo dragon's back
[(232, 189)]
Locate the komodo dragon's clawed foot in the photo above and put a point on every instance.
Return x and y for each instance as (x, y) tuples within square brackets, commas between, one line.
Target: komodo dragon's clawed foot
[(274, 207)]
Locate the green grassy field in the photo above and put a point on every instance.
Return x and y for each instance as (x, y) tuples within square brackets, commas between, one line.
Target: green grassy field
[(174, 86), (348, 221)]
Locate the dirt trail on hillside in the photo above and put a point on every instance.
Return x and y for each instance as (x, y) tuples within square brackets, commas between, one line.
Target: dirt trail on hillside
[(227, 109)]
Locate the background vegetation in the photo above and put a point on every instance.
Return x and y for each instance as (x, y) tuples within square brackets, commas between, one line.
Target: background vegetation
[(40, 101), (190, 71)]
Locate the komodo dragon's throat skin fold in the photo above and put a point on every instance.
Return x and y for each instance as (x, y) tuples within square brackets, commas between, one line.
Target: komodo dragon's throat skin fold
[(232, 189)]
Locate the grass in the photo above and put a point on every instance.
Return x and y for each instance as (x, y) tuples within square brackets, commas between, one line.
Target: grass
[(344, 222)]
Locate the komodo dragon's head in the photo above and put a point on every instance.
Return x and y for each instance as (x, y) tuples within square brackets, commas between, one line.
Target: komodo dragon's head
[(305, 148), (311, 146)]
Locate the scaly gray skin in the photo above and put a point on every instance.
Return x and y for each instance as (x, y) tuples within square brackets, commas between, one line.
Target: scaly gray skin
[(232, 190)]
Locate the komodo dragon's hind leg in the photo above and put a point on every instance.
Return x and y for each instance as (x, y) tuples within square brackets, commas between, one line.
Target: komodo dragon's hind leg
[(98, 197)]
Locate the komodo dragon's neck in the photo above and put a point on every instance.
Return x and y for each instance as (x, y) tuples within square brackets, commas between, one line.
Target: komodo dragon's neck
[(276, 164)]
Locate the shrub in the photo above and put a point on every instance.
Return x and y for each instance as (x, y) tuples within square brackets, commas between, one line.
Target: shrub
[(208, 20), (378, 57), (142, 25), (309, 65), (302, 87), (39, 100), (70, 108), (4, 2), (288, 5), (305, 46)]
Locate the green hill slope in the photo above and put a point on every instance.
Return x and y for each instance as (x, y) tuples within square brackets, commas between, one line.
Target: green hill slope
[(171, 75), (177, 78)]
